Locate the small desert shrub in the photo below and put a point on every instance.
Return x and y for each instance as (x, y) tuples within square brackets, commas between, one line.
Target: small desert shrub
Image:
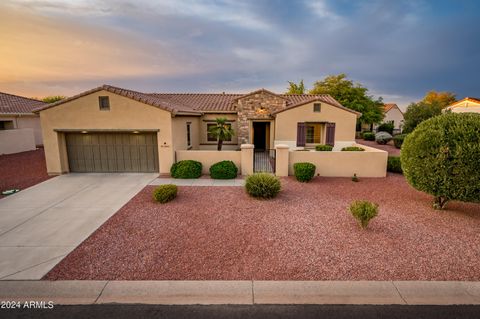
[(165, 193), (369, 136), (386, 127), (223, 170), (398, 140), (383, 137), (262, 185), (394, 165), (355, 178), (352, 149), (363, 211), (304, 172), (186, 169), (323, 148)]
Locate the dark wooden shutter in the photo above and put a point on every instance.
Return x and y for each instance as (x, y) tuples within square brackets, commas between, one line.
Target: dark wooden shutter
[(330, 138), (300, 134)]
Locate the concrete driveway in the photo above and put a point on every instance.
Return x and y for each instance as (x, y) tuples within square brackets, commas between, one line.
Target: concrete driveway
[(42, 224)]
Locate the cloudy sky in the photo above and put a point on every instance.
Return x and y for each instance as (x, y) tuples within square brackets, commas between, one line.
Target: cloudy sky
[(398, 49)]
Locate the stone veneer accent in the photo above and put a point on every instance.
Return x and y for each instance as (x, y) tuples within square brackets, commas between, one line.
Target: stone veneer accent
[(247, 109)]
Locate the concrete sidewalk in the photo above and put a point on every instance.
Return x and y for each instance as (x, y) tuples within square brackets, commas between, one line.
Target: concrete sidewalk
[(244, 292), (199, 182)]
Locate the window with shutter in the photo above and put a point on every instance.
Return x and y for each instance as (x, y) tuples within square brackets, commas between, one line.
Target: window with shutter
[(301, 134), (330, 138)]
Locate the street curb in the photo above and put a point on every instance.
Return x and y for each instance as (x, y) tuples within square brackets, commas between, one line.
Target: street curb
[(244, 292)]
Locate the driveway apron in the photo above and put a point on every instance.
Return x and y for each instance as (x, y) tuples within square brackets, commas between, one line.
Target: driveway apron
[(39, 226)]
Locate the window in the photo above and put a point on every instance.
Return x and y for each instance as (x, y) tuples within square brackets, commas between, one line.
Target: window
[(316, 107), (211, 137), (6, 125), (313, 133), (189, 136), (104, 103)]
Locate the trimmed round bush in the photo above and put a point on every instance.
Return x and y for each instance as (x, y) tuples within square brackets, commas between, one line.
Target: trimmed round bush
[(394, 165), (186, 169), (165, 193), (352, 149), (323, 148), (383, 137), (368, 136), (441, 157), (398, 140), (363, 211), (223, 170), (262, 185), (304, 172)]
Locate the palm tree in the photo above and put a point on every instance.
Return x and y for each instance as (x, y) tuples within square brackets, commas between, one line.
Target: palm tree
[(222, 131)]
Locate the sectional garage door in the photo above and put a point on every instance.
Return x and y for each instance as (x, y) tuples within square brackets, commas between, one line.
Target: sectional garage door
[(112, 152)]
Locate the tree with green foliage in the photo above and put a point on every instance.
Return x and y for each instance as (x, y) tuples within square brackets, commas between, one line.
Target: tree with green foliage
[(352, 95), (53, 98), (441, 157), (442, 98), (223, 131), (295, 88), (418, 112)]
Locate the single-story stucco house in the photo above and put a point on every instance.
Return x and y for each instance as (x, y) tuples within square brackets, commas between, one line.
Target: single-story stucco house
[(114, 129), (19, 127), (468, 104)]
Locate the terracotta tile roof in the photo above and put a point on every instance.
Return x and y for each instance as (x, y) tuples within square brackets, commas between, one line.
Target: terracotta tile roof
[(149, 99), (14, 104), (388, 106), (197, 103)]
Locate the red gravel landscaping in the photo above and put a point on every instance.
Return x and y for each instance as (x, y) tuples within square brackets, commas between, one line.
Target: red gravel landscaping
[(219, 233), (22, 170), (390, 148)]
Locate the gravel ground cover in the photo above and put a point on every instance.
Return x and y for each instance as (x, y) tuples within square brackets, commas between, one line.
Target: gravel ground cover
[(390, 148), (219, 233), (22, 170)]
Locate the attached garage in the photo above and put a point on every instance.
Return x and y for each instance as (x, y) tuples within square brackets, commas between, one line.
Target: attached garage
[(112, 152)]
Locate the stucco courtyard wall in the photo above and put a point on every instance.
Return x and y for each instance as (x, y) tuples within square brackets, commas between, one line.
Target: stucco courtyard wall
[(84, 114), (370, 163), (16, 141), (208, 158)]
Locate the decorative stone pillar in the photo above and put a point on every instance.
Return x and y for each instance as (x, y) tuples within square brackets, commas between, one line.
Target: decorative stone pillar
[(281, 161), (247, 159)]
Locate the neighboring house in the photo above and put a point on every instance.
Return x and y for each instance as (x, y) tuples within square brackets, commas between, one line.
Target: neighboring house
[(19, 127), (114, 129), (468, 104), (394, 115)]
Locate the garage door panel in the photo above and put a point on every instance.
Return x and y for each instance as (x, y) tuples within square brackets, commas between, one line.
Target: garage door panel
[(112, 152)]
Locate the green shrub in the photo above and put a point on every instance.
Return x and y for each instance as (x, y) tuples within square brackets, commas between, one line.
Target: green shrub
[(383, 137), (363, 211), (355, 178), (323, 148), (223, 170), (369, 136), (441, 157), (394, 165), (262, 185), (352, 149), (165, 193), (398, 140), (186, 169), (304, 172), (386, 127)]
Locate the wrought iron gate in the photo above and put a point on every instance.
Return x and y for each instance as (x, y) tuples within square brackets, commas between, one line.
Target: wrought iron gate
[(264, 161)]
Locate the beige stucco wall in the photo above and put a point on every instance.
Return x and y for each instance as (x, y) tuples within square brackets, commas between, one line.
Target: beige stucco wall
[(84, 114), (27, 121), (396, 116), (286, 123), (16, 141), (465, 107), (370, 163), (208, 158), (180, 132)]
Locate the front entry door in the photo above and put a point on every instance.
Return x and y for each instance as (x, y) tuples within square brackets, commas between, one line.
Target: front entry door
[(260, 135)]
